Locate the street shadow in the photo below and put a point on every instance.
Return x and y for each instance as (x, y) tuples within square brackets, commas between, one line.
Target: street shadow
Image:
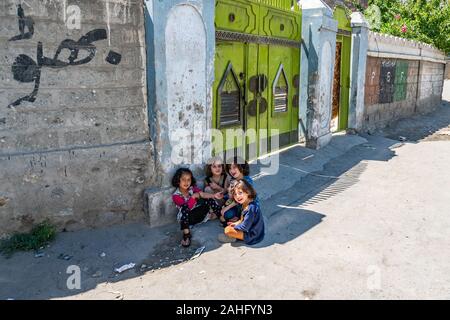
[(421, 127), (290, 219)]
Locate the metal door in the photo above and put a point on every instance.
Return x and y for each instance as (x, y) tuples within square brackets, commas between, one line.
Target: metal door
[(258, 44), (341, 93)]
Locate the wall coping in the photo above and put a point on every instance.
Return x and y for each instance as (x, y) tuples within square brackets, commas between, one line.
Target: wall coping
[(388, 46)]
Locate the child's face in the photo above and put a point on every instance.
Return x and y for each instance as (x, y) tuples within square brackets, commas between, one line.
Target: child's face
[(216, 168), (234, 172), (185, 181), (240, 196)]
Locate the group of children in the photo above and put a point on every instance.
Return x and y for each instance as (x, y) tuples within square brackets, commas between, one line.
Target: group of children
[(228, 195)]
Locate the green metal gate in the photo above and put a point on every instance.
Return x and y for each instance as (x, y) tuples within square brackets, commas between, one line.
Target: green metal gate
[(257, 66), (343, 50)]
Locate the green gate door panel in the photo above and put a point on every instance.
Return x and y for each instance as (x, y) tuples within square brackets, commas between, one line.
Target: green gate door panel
[(280, 24), (344, 81), (279, 74), (229, 75), (344, 36), (237, 16), (252, 108), (400, 82), (340, 14), (294, 96), (256, 61), (284, 62)]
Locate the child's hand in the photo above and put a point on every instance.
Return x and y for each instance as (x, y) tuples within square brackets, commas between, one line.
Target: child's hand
[(196, 195), (222, 212), (214, 185), (231, 224)]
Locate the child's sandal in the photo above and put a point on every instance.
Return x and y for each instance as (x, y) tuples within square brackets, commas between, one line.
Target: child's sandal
[(186, 236)]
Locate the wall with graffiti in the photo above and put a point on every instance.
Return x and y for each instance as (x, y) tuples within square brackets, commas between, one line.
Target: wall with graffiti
[(402, 77), (74, 141)]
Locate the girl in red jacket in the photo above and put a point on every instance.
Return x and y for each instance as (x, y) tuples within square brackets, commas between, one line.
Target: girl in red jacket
[(193, 204)]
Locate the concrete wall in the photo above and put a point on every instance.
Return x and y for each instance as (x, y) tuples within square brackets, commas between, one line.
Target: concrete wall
[(317, 65), (76, 149), (402, 77), (181, 76)]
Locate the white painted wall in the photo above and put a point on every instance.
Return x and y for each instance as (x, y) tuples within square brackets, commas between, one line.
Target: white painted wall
[(325, 79), (186, 84), (387, 46)]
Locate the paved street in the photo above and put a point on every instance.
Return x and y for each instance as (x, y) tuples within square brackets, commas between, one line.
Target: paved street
[(372, 224)]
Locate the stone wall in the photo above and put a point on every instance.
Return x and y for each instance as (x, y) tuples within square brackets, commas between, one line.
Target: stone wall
[(402, 77), (74, 138), (447, 69)]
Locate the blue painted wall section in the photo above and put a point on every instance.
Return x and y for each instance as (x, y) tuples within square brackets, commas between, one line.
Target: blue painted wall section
[(180, 40), (317, 65), (156, 16)]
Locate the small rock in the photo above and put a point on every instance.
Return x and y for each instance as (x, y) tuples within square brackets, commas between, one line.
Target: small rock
[(102, 255), (202, 272), (125, 267), (98, 274), (351, 131), (66, 257), (39, 254)]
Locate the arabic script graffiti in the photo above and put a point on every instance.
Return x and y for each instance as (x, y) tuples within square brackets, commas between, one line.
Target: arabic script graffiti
[(26, 70)]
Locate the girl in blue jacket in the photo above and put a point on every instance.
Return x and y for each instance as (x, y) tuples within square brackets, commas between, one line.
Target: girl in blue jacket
[(250, 228)]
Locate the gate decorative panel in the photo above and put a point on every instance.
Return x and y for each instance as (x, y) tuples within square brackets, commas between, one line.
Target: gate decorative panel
[(280, 91), (230, 98), (401, 79)]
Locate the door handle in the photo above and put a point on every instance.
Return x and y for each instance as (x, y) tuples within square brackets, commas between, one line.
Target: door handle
[(262, 83)]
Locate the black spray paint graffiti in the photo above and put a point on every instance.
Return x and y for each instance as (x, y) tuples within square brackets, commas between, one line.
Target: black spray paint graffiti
[(26, 70), (24, 22)]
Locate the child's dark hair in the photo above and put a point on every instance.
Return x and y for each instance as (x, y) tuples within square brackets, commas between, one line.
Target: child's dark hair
[(241, 164), (245, 186), (177, 177), (208, 171)]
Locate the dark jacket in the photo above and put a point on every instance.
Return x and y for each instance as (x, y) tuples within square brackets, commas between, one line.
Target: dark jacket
[(252, 225)]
